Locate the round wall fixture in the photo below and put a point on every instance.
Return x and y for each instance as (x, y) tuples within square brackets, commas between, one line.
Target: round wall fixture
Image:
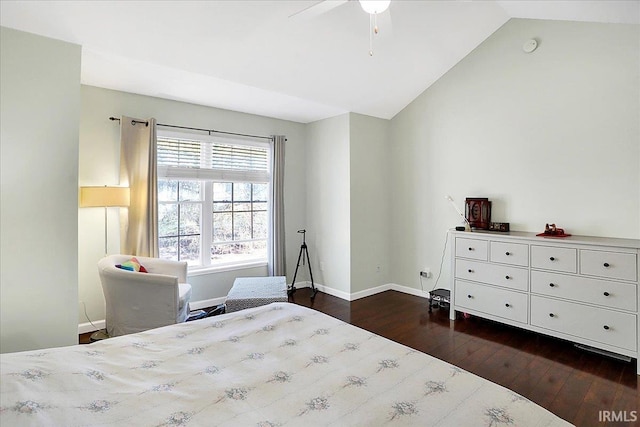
[(530, 45)]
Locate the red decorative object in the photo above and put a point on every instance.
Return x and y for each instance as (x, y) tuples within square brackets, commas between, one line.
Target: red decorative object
[(478, 212), (550, 230)]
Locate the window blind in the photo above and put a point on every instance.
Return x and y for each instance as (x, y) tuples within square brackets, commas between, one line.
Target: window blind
[(221, 160)]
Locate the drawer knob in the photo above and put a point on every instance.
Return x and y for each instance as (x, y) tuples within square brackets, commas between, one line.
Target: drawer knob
[(507, 253), (507, 277), (552, 315), (552, 258), (552, 285), (470, 249), (606, 264), (606, 327), (507, 305), (469, 296), (606, 294), (470, 270)]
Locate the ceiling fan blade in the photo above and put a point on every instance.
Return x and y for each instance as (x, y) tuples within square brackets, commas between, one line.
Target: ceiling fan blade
[(323, 6)]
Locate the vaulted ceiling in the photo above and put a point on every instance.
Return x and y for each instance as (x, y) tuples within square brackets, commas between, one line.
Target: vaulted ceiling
[(255, 57)]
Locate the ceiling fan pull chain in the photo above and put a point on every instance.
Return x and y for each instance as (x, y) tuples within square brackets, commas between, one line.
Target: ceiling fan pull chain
[(370, 34)]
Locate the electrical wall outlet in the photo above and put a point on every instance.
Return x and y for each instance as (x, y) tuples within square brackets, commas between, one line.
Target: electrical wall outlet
[(426, 273)]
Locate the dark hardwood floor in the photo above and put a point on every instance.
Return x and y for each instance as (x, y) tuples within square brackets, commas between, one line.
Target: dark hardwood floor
[(574, 384)]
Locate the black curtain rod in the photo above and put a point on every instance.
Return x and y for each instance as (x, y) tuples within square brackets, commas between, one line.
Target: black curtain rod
[(134, 122)]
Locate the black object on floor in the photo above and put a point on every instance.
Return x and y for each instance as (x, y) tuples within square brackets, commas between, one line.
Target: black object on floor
[(303, 251), (219, 309), (196, 314), (439, 298)]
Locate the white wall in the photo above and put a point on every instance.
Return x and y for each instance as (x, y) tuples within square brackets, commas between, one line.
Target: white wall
[(328, 203), (347, 203), (370, 209), (99, 165), (39, 115), (551, 136)]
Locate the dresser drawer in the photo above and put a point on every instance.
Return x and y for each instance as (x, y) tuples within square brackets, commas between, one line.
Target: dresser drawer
[(602, 292), (494, 301), (493, 274), (554, 258), (614, 265), (510, 253), (472, 248), (596, 324)]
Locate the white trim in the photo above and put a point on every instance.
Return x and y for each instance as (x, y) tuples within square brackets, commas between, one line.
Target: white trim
[(206, 303), (411, 291), (369, 292), (365, 293), (328, 290), (199, 270), (83, 328), (323, 289)]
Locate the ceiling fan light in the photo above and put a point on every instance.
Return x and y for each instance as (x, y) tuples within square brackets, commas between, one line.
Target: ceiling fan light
[(375, 6)]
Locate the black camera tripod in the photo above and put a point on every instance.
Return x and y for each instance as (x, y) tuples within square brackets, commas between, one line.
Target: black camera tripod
[(303, 248)]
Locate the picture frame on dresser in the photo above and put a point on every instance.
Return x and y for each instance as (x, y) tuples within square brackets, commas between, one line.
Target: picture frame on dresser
[(580, 288)]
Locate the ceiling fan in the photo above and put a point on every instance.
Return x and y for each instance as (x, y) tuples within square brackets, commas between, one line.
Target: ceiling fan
[(372, 7)]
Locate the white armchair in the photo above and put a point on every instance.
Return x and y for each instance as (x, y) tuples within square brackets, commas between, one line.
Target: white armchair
[(136, 301)]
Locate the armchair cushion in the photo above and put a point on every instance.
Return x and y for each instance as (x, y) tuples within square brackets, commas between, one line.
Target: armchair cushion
[(132, 265)]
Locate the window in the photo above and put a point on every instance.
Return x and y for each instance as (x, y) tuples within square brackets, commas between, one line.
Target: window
[(180, 208), (239, 221), (213, 197)]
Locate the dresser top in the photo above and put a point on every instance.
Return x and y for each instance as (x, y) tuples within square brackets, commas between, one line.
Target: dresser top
[(530, 236)]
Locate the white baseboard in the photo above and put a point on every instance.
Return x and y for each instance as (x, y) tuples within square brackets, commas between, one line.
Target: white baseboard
[(365, 293), (325, 289), (206, 303), (83, 328), (370, 291), (410, 291)]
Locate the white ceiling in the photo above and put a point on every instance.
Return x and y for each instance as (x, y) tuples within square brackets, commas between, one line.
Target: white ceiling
[(250, 56)]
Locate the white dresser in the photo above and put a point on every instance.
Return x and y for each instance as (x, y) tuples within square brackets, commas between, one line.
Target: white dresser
[(579, 288)]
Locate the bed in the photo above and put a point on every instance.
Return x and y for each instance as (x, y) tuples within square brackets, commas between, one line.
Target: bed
[(275, 365)]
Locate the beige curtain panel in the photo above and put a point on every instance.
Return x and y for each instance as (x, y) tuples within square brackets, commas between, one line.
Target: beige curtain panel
[(276, 248), (138, 170)]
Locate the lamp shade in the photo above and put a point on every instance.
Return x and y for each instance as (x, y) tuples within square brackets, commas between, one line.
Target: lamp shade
[(104, 196), (375, 6)]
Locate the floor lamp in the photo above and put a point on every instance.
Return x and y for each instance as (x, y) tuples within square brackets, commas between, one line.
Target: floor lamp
[(104, 197)]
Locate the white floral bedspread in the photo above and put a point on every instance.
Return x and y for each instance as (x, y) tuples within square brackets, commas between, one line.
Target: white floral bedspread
[(275, 365)]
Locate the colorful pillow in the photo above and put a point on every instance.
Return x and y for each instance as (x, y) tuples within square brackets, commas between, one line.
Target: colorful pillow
[(132, 265)]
